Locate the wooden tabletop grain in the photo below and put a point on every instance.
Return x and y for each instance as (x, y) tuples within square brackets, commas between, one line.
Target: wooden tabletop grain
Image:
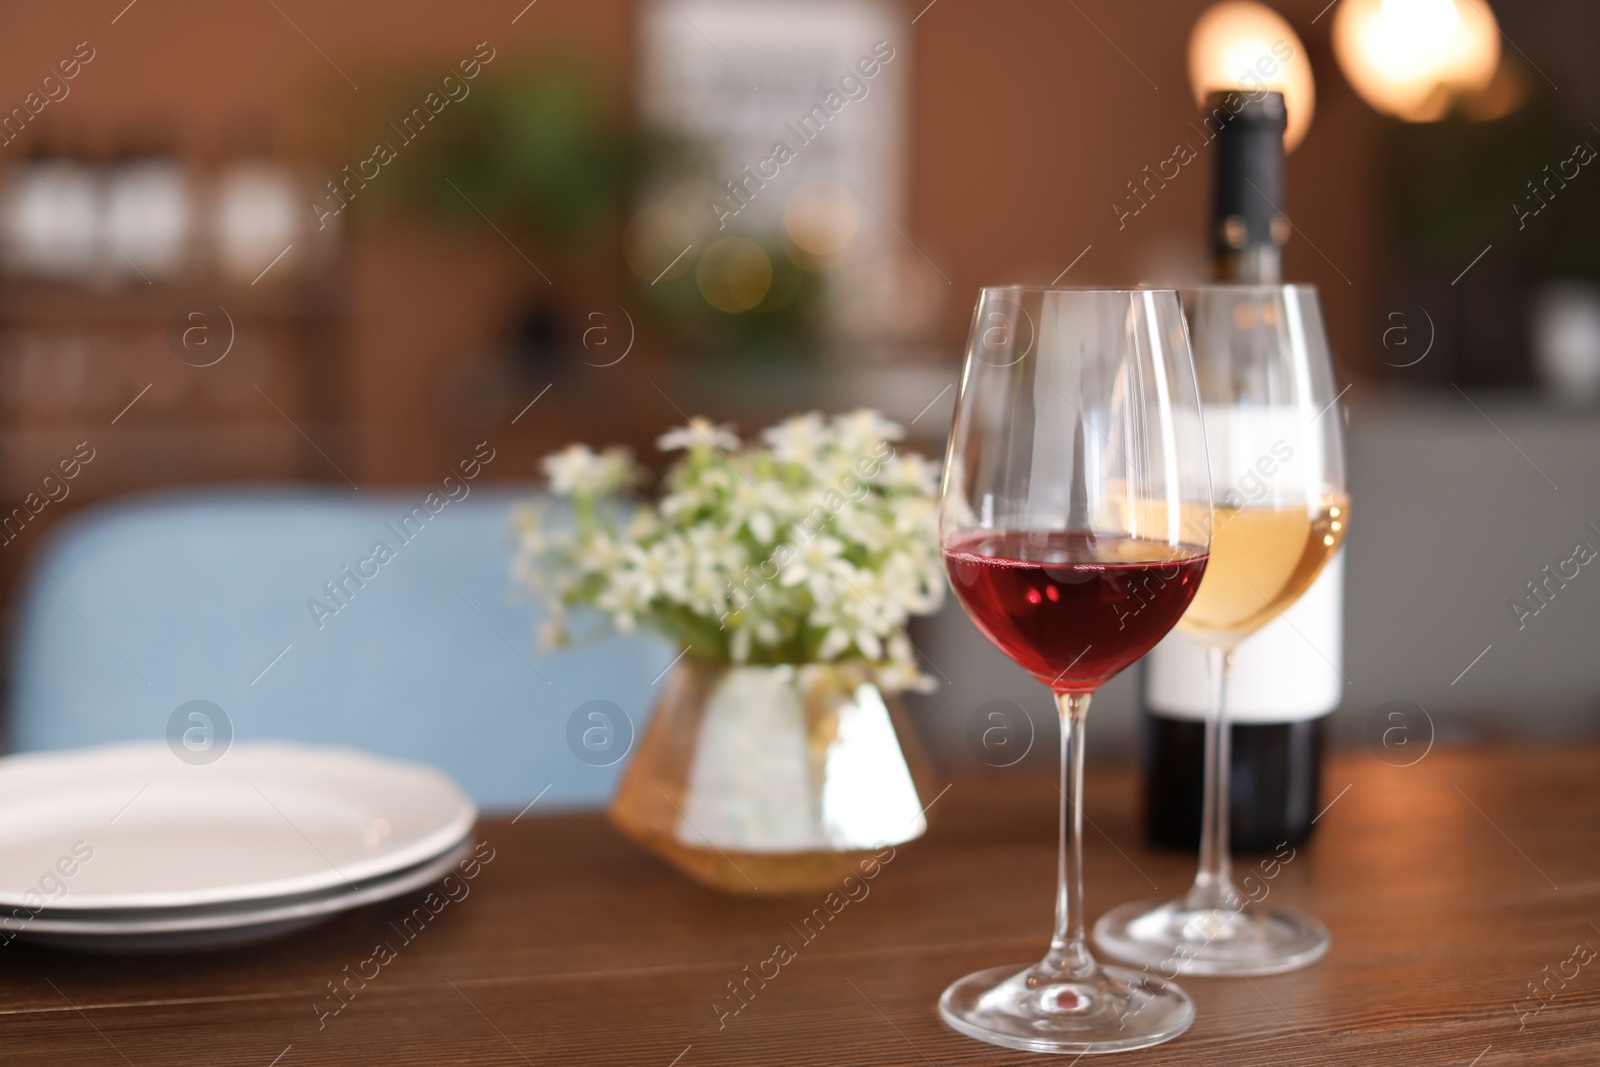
[(1463, 894)]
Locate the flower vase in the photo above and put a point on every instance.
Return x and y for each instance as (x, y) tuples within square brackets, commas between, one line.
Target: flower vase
[(771, 779)]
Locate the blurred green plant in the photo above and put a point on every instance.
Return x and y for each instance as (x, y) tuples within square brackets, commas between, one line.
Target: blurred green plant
[(541, 151), (536, 150), (1458, 184), (784, 324), (1482, 215)]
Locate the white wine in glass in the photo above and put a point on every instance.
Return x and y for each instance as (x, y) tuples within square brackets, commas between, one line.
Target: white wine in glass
[(1262, 559), (1280, 512)]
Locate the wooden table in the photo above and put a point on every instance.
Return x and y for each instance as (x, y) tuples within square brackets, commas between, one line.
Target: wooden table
[(1449, 886)]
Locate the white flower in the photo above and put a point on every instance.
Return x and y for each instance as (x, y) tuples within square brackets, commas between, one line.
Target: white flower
[(578, 471), (915, 516), (621, 601), (602, 553), (845, 629), (911, 473), (799, 438), (859, 554), (701, 433), (906, 589), (644, 525), (862, 429), (660, 570), (758, 506), (715, 558), (820, 565), (863, 524)]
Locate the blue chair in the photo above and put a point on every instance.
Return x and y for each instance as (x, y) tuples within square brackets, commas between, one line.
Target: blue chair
[(277, 607)]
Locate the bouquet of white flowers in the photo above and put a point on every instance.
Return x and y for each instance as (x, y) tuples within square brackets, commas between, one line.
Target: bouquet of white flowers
[(815, 548)]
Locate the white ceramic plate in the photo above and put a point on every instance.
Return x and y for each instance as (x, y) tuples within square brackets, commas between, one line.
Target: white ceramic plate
[(269, 819), (220, 927)]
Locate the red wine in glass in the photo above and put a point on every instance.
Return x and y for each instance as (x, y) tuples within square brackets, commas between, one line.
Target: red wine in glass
[(1077, 439), (1071, 607)]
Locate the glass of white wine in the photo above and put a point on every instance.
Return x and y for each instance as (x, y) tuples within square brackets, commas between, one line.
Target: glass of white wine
[(1280, 512)]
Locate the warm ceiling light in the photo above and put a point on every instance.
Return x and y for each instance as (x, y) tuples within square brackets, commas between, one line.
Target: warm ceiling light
[(1412, 58), (1248, 46)]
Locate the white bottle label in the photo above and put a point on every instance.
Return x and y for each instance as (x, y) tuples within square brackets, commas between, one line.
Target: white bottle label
[(1288, 671), (1262, 456)]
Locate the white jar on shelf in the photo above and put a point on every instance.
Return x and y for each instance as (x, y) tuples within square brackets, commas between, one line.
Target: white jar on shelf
[(258, 215), (50, 210), (149, 219)]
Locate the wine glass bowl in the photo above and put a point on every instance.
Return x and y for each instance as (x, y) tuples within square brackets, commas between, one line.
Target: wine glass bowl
[(1043, 598), (1075, 524), (1274, 437)]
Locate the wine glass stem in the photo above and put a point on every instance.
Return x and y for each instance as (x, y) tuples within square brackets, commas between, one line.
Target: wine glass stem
[(1069, 952), (1213, 885)]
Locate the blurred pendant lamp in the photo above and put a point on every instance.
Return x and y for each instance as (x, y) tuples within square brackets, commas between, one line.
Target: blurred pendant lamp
[(1248, 46), (1413, 58)]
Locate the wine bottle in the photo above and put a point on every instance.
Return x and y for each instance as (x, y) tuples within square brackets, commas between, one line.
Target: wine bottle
[(1285, 681)]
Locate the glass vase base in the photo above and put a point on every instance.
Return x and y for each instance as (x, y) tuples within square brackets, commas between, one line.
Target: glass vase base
[(775, 779), (752, 872), (1111, 1010), (1175, 938)]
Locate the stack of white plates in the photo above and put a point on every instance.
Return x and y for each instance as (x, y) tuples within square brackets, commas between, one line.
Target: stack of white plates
[(127, 848)]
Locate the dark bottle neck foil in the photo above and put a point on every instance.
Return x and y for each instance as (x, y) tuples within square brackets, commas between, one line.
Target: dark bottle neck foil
[(1248, 228)]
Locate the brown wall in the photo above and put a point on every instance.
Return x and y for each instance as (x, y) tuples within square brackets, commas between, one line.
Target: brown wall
[(1027, 122)]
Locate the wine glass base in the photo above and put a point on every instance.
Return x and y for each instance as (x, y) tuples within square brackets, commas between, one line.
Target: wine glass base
[(1173, 938), (1112, 1010)]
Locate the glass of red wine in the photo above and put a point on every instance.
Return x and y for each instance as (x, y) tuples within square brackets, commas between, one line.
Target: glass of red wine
[(1075, 520)]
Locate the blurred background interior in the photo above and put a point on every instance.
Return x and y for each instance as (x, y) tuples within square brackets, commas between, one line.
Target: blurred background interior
[(338, 246)]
